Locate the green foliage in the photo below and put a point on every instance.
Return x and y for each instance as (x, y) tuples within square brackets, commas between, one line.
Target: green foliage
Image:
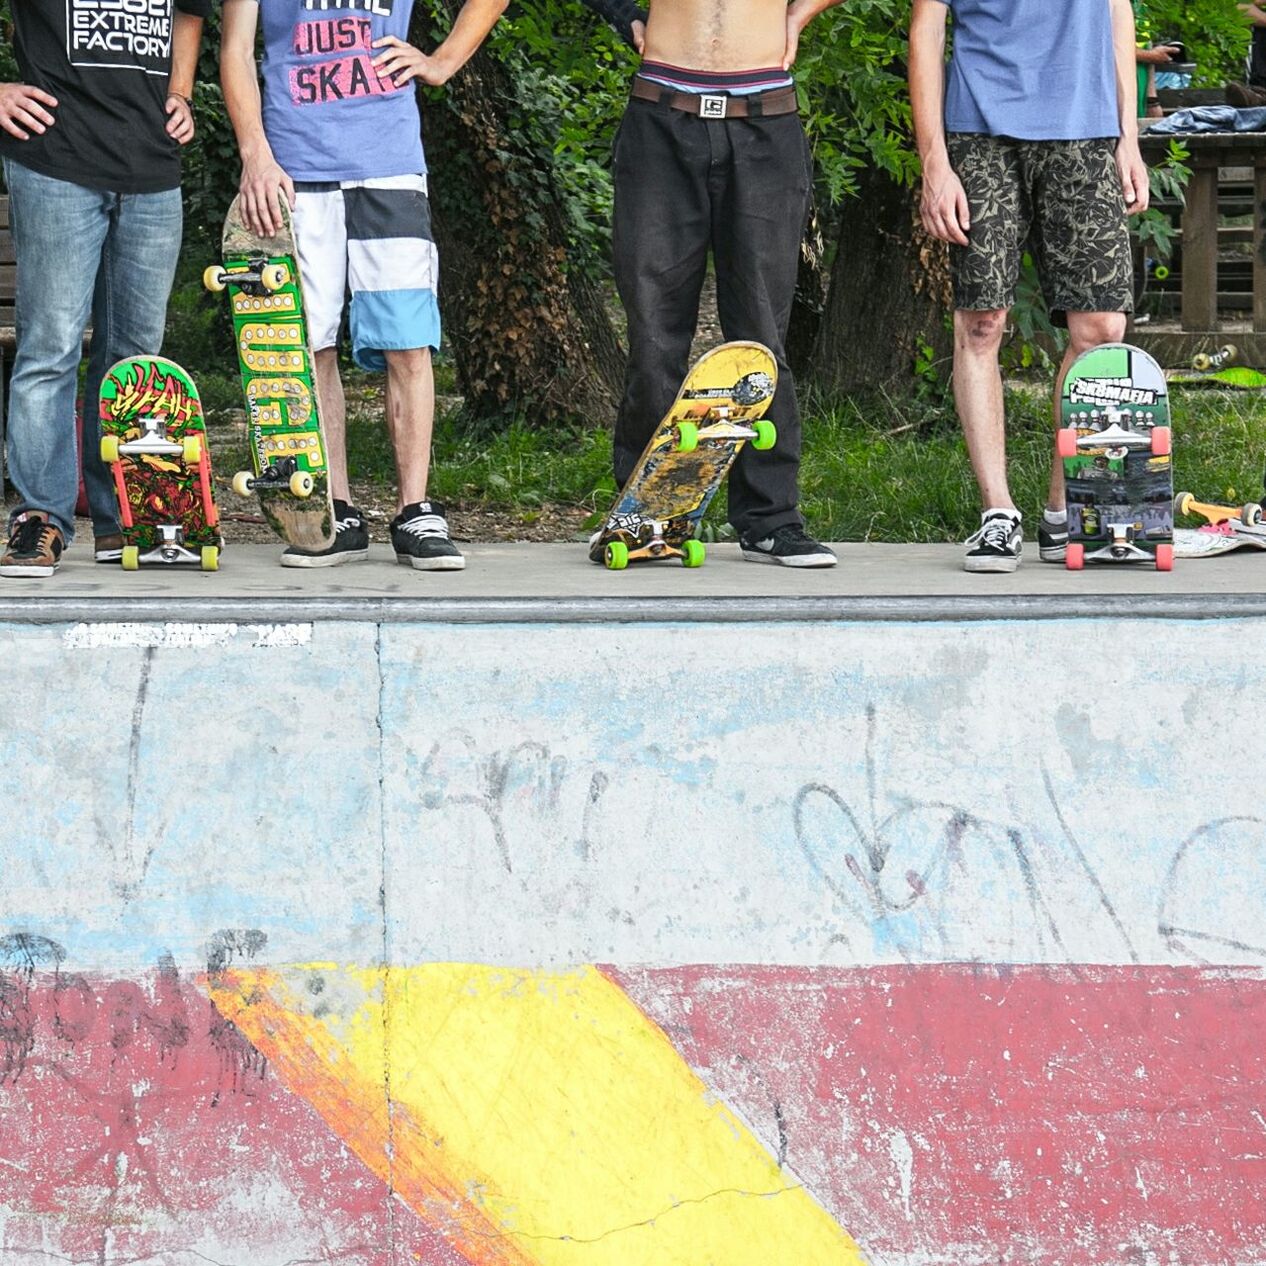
[(1215, 32)]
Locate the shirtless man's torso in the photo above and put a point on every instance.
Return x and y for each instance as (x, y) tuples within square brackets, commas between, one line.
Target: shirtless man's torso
[(720, 35)]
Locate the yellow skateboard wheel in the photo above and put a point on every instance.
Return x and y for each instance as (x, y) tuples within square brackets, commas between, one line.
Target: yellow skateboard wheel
[(109, 448), (131, 558), (191, 449), (210, 558)]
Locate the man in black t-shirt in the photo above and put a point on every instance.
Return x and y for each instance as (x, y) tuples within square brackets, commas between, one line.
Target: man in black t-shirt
[(91, 143)]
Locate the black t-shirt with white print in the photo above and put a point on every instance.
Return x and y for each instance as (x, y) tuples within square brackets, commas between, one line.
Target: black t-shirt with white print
[(108, 64)]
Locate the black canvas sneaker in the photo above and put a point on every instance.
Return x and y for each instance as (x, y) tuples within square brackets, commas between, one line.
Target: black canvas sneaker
[(419, 534), (997, 544)]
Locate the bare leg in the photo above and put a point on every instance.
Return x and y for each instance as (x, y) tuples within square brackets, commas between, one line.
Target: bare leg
[(333, 420), (978, 396), (1085, 330), (410, 419)]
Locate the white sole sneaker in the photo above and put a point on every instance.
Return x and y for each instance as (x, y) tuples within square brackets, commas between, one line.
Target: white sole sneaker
[(802, 560), (445, 562), (325, 560), (990, 564)]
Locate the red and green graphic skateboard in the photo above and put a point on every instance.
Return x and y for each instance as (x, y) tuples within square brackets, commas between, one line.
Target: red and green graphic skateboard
[(1115, 441), (275, 358), (719, 408), (154, 440)]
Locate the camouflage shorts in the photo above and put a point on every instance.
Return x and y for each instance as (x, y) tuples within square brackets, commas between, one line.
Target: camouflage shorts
[(1060, 199)]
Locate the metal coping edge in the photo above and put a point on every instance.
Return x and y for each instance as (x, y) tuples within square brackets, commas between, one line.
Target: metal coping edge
[(629, 610)]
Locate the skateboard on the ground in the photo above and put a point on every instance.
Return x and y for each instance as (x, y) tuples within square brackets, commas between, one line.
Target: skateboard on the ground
[(1218, 369), (719, 408), (154, 440), (273, 353), (1115, 440), (1226, 528)]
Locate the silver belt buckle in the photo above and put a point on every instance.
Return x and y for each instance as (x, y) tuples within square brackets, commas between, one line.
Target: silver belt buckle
[(711, 107)]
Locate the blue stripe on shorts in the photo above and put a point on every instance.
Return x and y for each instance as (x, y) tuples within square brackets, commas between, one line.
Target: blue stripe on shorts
[(392, 320)]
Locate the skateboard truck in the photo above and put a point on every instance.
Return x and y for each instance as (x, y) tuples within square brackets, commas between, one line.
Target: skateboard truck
[(171, 548), (280, 475), (259, 277)]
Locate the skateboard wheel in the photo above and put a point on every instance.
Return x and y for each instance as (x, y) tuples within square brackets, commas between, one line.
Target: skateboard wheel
[(1251, 515), (1165, 557), (616, 556), (131, 558), (1228, 353), (274, 276), (1201, 361), (1075, 556), (1161, 441), (766, 434), (687, 437), (210, 558), (213, 278), (1162, 272), (1066, 441), (301, 484), (243, 481), (693, 553), (191, 449), (1182, 503), (109, 448)]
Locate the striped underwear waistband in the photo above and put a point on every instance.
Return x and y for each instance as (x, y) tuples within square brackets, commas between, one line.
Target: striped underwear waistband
[(737, 83)]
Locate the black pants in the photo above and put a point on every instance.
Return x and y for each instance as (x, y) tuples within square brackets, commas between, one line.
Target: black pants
[(739, 187)]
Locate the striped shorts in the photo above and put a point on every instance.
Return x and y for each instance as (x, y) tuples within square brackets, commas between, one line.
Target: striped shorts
[(371, 238)]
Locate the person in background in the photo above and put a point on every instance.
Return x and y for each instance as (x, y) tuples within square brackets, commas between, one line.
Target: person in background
[(91, 140)]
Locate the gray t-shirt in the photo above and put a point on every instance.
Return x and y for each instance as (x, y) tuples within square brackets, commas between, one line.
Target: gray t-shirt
[(1036, 70)]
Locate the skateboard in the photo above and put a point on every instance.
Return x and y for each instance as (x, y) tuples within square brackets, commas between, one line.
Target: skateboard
[(718, 410), (1115, 442), (1218, 369), (154, 440), (290, 477), (1226, 527)]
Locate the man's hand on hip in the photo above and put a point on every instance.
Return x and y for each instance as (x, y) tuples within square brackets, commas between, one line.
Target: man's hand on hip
[(22, 106)]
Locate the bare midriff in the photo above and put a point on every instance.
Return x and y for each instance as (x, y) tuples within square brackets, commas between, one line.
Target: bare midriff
[(720, 35)]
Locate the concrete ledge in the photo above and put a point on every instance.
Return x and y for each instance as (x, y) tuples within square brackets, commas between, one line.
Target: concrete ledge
[(535, 584)]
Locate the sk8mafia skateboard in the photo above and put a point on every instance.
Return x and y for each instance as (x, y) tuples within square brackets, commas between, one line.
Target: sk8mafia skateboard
[(1115, 441), (154, 440), (719, 408), (287, 450)]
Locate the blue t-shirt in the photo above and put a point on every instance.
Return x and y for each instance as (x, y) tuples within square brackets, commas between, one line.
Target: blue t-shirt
[(327, 114), (1036, 70)]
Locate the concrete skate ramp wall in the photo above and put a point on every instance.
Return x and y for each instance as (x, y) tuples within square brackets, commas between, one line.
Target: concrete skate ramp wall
[(639, 945)]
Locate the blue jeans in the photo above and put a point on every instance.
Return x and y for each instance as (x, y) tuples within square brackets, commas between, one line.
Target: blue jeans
[(79, 252)]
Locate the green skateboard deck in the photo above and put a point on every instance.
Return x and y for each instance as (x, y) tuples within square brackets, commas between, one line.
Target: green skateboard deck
[(290, 475), (154, 440), (1115, 440)]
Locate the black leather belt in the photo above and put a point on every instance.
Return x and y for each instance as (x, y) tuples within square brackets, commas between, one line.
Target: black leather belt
[(719, 105)]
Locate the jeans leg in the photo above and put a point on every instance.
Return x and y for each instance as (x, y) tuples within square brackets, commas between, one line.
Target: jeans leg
[(758, 224), (58, 230), (660, 249), (129, 315)]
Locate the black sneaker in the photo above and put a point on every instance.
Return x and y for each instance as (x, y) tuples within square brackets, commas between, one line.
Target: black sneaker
[(1052, 540), (788, 546), (998, 543), (419, 534), (351, 542)]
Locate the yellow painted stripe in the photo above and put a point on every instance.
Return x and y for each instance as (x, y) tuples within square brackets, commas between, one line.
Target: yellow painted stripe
[(536, 1117)]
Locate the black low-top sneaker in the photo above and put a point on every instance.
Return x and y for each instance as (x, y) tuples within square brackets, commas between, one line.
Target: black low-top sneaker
[(108, 549), (788, 546), (419, 534), (997, 544), (1052, 540), (351, 542)]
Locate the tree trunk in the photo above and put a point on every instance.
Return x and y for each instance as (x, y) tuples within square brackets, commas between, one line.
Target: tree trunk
[(889, 293), (528, 330)]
